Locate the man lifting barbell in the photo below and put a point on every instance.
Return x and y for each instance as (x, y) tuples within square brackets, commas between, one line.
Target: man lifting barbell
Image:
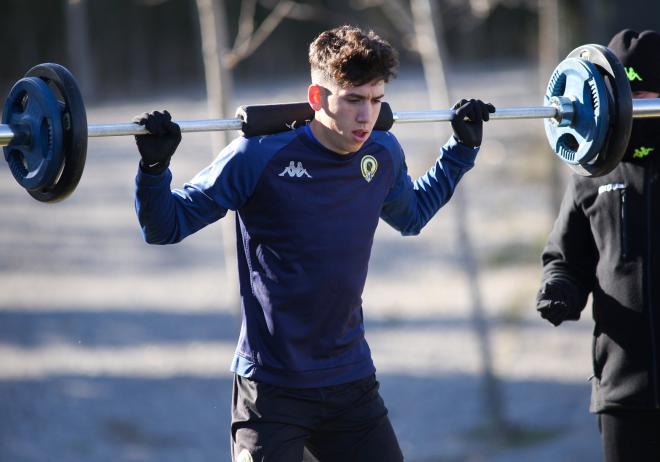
[(308, 202), (605, 242), (264, 371)]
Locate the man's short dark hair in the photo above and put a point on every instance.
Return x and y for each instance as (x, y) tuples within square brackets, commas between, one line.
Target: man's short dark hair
[(350, 57)]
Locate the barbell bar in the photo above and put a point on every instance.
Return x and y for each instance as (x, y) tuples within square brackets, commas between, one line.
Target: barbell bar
[(642, 108), (588, 111), (210, 125)]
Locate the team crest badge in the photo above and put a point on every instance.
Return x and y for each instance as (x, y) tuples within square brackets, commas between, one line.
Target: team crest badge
[(368, 165), (244, 456)]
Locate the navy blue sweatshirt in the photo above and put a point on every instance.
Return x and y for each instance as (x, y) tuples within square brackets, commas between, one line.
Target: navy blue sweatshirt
[(306, 218)]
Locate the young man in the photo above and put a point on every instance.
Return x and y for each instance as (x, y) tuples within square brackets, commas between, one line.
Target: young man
[(308, 202), (605, 242)]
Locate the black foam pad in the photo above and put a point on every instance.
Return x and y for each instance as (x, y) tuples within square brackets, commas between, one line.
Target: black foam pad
[(266, 119)]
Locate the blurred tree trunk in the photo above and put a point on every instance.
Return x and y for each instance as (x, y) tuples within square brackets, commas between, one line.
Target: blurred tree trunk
[(548, 11), (219, 58), (431, 48), (77, 38), (213, 29)]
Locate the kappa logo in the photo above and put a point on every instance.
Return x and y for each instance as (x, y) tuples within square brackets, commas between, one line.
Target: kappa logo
[(642, 152), (295, 170), (292, 125), (632, 74)]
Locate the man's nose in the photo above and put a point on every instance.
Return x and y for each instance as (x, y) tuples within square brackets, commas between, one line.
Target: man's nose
[(364, 113)]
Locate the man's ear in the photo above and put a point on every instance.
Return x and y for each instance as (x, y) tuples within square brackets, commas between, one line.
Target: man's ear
[(315, 96)]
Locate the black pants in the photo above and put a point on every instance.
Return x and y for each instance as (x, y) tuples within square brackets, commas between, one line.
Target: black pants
[(341, 423), (630, 435)]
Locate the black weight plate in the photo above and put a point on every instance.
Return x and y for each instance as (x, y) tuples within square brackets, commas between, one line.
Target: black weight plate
[(74, 121), (35, 156), (618, 133)]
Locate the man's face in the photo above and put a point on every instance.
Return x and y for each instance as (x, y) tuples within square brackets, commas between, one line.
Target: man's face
[(344, 117)]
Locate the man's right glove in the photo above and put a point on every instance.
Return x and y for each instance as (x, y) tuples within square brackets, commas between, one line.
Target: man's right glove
[(158, 147), (469, 121), (557, 302)]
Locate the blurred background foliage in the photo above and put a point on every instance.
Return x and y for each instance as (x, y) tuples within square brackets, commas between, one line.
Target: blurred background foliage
[(134, 46)]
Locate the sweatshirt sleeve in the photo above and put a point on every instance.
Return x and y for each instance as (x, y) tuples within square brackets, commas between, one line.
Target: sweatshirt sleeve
[(167, 216), (410, 205), (570, 254)]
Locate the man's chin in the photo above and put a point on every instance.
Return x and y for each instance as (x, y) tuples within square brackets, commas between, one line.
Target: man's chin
[(350, 146), (356, 146)]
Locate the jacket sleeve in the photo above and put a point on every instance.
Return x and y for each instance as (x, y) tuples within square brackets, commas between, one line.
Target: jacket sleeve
[(570, 255), (410, 205), (168, 216)]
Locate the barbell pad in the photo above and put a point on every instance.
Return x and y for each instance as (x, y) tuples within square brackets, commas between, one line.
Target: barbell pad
[(385, 118), (74, 119), (35, 156), (266, 119)]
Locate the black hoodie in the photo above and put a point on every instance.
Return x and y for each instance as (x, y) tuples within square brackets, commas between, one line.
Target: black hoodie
[(606, 241)]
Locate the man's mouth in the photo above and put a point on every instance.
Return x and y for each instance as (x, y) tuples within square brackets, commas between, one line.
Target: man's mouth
[(360, 135)]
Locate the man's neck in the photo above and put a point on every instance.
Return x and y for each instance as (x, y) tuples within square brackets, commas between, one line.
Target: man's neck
[(320, 133)]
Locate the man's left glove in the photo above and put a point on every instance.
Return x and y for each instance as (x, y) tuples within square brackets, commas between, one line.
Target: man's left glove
[(556, 301), (469, 121), (157, 148)]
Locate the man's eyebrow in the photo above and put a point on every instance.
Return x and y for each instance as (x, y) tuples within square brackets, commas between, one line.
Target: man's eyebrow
[(359, 96)]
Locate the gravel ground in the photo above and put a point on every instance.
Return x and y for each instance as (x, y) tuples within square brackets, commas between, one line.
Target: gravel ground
[(114, 350)]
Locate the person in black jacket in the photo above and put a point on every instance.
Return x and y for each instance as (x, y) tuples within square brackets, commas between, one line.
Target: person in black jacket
[(606, 242)]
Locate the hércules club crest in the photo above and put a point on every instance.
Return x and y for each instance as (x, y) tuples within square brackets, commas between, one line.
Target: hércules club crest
[(368, 165)]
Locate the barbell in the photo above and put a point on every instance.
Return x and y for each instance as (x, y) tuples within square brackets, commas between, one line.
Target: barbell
[(588, 111)]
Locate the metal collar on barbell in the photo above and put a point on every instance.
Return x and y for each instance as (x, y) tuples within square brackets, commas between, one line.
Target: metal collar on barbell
[(565, 111)]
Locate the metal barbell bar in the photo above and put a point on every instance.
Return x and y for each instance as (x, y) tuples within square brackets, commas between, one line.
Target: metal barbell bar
[(642, 108)]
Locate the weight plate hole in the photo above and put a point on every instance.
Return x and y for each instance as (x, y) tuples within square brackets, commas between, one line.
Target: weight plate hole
[(57, 93), (568, 147), (17, 163), (558, 84), (46, 141), (595, 102), (19, 105), (23, 102)]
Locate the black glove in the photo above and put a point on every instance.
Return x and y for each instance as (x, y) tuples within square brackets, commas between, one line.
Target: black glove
[(556, 302), (469, 121), (158, 147)]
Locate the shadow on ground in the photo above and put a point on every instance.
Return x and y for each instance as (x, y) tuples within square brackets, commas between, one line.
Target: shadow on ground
[(67, 418)]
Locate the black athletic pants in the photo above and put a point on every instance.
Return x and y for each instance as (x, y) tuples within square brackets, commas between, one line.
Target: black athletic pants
[(340, 423), (630, 436)]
